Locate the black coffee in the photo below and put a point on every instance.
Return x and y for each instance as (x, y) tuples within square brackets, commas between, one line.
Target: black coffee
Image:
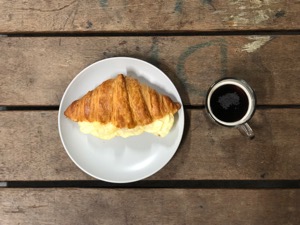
[(229, 103)]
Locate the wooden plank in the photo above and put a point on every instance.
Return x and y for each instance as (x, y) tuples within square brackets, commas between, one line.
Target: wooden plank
[(136, 16), (30, 149), (44, 67), (149, 206)]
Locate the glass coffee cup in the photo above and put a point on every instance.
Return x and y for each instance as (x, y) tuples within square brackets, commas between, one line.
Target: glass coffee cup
[(231, 102)]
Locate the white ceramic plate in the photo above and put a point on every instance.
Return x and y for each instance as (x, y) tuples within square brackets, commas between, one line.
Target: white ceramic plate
[(119, 160)]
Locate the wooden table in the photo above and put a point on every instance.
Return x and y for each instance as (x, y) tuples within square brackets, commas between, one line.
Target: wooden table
[(217, 176)]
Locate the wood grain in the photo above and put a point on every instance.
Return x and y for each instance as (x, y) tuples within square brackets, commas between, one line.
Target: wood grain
[(36, 71), (30, 149), (136, 16), (148, 206)]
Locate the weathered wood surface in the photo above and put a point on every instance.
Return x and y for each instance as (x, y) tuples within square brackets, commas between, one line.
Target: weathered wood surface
[(36, 71), (30, 149), (136, 16), (148, 206)]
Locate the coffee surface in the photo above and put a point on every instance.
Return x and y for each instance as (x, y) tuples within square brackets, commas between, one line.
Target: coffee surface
[(229, 103)]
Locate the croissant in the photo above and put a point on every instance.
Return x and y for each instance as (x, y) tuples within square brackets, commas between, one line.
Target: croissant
[(123, 106)]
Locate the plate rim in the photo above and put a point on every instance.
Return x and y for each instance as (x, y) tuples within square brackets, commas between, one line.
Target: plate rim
[(180, 135)]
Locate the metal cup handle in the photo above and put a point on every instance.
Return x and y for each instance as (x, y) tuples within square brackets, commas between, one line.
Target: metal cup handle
[(246, 130)]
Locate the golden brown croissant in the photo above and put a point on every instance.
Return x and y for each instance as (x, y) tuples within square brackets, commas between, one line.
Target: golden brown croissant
[(120, 105)]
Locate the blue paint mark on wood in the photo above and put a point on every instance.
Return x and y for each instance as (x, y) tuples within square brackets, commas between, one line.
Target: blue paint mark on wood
[(223, 51), (103, 3), (191, 50), (207, 2), (89, 24), (125, 2), (178, 6), (154, 52)]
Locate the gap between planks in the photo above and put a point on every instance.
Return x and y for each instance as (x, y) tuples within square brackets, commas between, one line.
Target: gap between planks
[(177, 184), (152, 33)]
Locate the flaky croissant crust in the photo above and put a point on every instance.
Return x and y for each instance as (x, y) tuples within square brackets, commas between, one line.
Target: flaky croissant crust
[(122, 101)]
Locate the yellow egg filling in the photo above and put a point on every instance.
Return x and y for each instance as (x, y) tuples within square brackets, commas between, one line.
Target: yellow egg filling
[(160, 127)]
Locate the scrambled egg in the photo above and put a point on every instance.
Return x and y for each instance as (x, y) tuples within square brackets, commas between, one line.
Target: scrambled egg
[(159, 127)]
